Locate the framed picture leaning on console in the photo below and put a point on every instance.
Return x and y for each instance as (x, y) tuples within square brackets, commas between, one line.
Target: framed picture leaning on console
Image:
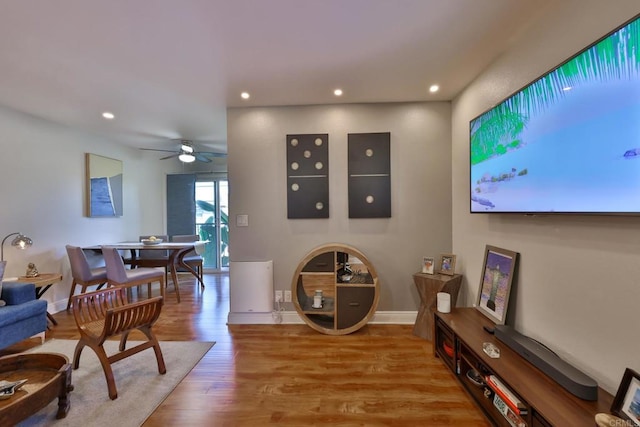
[(626, 404), (495, 283)]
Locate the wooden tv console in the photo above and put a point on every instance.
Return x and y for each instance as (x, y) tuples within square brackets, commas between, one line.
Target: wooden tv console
[(547, 403)]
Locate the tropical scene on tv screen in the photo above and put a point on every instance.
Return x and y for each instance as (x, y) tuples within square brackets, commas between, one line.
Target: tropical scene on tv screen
[(568, 142)]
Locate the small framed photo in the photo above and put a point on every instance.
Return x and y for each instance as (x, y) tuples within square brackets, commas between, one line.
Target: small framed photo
[(447, 264), (626, 404), (495, 282), (427, 265)]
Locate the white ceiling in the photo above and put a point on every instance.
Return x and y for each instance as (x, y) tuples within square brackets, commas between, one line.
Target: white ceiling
[(170, 68)]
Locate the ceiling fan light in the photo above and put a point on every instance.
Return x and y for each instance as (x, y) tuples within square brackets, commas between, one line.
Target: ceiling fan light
[(186, 157), (186, 148)]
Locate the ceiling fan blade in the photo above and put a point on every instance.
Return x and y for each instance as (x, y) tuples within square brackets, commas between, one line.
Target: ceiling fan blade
[(153, 149), (212, 154), (170, 157), (202, 158)]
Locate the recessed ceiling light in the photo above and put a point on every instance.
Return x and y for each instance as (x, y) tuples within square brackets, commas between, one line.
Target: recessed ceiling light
[(245, 95), (434, 88), (337, 92), (107, 115)]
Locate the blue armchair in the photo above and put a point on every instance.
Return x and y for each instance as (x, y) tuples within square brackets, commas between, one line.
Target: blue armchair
[(24, 316)]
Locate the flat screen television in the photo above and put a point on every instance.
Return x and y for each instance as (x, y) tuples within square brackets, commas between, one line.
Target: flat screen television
[(569, 142)]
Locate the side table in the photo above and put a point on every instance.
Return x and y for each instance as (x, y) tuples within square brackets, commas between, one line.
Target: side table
[(428, 286), (43, 282)]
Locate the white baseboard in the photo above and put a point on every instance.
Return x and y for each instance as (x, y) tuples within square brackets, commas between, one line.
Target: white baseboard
[(60, 305), (286, 317), (292, 317), (395, 317), (251, 318)]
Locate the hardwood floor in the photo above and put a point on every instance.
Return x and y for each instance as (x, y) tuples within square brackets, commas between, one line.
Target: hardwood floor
[(291, 375)]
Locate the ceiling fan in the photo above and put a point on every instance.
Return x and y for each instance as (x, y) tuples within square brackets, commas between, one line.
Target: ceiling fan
[(187, 153)]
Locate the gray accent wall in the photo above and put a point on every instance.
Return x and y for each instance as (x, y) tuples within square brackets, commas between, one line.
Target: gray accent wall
[(420, 224)]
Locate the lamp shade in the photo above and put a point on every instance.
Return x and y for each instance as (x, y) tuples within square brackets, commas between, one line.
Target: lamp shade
[(186, 157), (20, 241), (186, 147)]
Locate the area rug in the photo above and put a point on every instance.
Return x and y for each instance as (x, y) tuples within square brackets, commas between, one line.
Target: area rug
[(140, 387)]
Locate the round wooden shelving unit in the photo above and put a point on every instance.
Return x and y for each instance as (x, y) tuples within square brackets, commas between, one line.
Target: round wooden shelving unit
[(350, 297)]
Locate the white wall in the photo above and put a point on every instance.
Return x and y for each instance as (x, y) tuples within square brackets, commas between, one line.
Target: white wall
[(42, 170), (579, 279), (420, 224)]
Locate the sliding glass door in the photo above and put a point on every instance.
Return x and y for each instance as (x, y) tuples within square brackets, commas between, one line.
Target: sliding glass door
[(212, 221), (200, 205)]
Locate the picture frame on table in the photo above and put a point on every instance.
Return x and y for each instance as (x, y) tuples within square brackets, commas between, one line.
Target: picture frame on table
[(447, 264), (626, 404), (496, 280), (428, 264)]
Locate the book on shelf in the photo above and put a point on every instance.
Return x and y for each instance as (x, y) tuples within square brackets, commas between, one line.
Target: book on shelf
[(506, 395), (511, 417)]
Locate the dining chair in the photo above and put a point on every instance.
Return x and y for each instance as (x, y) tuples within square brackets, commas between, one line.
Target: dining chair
[(82, 272), (118, 275), (153, 257), (191, 258)]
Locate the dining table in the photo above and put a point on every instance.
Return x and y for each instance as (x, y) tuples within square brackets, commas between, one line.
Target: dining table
[(176, 250)]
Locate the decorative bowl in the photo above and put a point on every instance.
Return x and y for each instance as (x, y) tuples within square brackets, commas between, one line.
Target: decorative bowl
[(149, 242)]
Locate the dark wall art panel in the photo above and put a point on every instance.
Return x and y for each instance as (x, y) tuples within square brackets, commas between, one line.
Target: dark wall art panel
[(369, 175), (308, 176)]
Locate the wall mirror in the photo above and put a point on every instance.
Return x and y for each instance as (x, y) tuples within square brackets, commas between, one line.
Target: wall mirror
[(103, 186)]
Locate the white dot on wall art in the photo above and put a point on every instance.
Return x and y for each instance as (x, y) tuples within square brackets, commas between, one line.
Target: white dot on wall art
[(295, 166), (369, 152), (307, 154), (319, 206), (369, 199), (318, 142), (319, 165), (295, 187), (294, 142)]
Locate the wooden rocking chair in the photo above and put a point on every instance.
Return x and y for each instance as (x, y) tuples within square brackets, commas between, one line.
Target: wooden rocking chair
[(107, 313)]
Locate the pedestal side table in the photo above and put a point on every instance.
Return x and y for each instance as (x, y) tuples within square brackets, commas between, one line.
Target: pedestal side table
[(428, 286)]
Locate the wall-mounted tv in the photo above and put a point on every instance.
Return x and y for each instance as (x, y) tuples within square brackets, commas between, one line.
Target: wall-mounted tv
[(569, 142)]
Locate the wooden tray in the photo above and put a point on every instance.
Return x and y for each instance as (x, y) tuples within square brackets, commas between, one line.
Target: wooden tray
[(48, 376)]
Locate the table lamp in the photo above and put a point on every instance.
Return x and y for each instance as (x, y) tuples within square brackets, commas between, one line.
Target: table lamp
[(20, 241)]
